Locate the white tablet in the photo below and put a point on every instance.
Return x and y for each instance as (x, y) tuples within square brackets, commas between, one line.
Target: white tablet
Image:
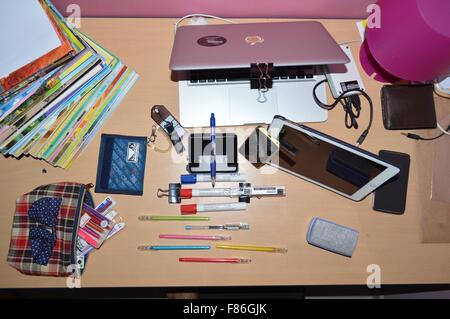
[(327, 161)]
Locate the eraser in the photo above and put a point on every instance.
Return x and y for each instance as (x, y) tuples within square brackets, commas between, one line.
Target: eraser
[(332, 237)]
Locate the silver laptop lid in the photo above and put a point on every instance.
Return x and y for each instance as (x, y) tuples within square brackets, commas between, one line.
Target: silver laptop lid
[(224, 46)]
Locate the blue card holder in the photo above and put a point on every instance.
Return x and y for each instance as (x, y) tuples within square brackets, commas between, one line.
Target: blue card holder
[(121, 165)]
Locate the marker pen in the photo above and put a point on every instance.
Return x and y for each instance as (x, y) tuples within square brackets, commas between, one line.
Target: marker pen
[(201, 178), (200, 208), (186, 193)]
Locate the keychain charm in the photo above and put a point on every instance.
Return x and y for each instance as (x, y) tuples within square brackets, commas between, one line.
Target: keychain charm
[(170, 125), (151, 141)]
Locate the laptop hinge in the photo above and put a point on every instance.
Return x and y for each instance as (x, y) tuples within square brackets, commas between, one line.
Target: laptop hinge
[(261, 76)]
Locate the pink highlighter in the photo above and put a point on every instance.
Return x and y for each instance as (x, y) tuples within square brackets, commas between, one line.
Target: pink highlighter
[(195, 237)]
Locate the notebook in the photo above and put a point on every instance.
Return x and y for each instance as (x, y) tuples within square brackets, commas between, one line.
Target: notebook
[(26, 33)]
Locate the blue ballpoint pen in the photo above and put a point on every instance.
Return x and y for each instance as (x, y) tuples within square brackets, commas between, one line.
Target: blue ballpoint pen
[(212, 123)]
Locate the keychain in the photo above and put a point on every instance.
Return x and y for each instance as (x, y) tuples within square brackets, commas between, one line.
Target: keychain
[(170, 125), (151, 141)]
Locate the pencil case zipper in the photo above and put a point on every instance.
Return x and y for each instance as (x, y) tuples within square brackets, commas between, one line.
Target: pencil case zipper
[(84, 190)]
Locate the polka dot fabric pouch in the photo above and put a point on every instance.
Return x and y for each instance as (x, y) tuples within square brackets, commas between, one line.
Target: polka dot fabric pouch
[(44, 231)]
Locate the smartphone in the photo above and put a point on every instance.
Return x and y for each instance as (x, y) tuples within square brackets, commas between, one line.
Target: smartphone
[(391, 196), (259, 147)]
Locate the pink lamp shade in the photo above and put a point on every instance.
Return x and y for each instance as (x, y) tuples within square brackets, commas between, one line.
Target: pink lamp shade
[(413, 42), (350, 9)]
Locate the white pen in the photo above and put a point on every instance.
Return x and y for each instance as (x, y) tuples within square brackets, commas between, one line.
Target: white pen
[(200, 178), (228, 226), (200, 208), (248, 191)]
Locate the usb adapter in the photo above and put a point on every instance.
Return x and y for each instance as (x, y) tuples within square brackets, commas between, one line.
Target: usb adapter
[(344, 77)]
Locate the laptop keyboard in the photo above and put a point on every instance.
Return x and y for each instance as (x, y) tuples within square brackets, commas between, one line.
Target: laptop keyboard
[(233, 76)]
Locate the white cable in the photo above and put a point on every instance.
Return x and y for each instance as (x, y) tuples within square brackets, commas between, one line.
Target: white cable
[(352, 41), (200, 15), (442, 129), (442, 86)]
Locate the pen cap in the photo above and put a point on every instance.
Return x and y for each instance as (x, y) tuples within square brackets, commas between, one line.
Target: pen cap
[(189, 209), (188, 179), (186, 193)]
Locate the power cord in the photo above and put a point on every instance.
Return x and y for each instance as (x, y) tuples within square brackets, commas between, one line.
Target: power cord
[(442, 129), (420, 138), (194, 15), (440, 94), (444, 132), (352, 108)]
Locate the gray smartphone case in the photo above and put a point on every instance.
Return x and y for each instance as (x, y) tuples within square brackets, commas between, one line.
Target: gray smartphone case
[(332, 237)]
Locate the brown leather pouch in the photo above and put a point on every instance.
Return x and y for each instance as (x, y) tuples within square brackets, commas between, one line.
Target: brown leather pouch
[(408, 107)]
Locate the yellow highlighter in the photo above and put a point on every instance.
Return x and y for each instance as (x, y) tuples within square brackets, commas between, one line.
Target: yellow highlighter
[(253, 248)]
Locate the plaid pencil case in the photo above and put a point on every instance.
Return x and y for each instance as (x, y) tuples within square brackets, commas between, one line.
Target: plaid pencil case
[(44, 230), (121, 165)]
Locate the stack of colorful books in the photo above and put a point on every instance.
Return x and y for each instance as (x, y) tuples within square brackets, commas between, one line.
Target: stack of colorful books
[(52, 107)]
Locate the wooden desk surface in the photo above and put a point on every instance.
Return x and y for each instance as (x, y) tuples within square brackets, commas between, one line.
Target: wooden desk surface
[(390, 241)]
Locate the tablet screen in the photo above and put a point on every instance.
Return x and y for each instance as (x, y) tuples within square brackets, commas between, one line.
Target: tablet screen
[(324, 162)]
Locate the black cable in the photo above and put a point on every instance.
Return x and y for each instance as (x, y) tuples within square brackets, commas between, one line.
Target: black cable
[(432, 138), (352, 108), (420, 138)]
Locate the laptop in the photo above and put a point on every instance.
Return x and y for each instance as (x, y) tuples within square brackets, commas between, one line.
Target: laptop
[(212, 65)]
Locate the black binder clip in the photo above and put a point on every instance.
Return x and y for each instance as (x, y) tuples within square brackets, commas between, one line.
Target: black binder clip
[(261, 79), (173, 193), (260, 76)]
